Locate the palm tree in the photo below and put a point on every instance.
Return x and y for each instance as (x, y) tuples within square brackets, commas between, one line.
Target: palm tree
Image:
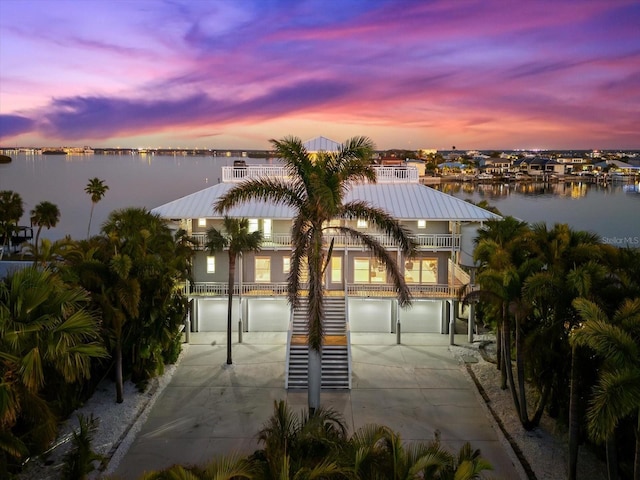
[(44, 214), (144, 258), (295, 443), (47, 334), (616, 340), (96, 188), (237, 239), (315, 189), (11, 210), (500, 249)]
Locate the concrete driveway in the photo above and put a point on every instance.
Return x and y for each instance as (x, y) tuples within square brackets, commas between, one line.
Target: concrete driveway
[(210, 409)]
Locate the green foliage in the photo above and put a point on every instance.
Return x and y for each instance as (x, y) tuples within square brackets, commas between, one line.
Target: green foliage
[(539, 285), (48, 339), (79, 461), (11, 210)]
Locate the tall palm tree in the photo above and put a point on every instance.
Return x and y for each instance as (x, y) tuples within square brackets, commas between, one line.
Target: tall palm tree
[(500, 249), (96, 189), (11, 210), (315, 189), (47, 334), (616, 340), (44, 214), (141, 250), (237, 239)]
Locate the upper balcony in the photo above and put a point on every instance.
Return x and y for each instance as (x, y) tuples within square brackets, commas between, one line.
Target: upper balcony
[(283, 241), (391, 174)]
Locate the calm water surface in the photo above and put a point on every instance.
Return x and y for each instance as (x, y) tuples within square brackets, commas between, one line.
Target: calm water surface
[(150, 181)]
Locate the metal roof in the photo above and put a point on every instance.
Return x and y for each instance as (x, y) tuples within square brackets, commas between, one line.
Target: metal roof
[(321, 144), (404, 201)]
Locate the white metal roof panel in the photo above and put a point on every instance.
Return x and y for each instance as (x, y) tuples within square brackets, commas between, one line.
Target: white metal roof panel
[(413, 201), (200, 205), (404, 201)]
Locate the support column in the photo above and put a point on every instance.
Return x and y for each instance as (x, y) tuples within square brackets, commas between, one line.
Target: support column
[(398, 326), (452, 322), (472, 322), (240, 326)]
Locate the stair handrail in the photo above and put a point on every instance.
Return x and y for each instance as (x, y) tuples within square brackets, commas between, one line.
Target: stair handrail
[(288, 353), (347, 332)]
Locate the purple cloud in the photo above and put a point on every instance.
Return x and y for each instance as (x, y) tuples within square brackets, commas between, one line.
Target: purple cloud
[(103, 117), (13, 125)]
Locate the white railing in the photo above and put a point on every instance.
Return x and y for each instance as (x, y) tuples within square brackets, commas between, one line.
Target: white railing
[(352, 290), (222, 288), (238, 174), (408, 174), (288, 352), (445, 241), (404, 174), (457, 276), (386, 290)]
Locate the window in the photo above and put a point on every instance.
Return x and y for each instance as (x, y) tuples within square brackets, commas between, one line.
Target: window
[(378, 272), (422, 224), (263, 269), (253, 225), (421, 270), (412, 271), (202, 222), (267, 228), (366, 270), (211, 264), (336, 269), (361, 223), (429, 271), (361, 270), (286, 264)]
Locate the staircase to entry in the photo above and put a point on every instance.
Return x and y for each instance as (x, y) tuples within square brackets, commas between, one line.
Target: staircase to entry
[(335, 351)]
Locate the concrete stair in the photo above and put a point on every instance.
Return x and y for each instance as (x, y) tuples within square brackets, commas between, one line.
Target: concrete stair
[(335, 352)]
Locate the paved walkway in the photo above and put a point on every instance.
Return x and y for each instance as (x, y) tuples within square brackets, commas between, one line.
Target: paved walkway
[(211, 409)]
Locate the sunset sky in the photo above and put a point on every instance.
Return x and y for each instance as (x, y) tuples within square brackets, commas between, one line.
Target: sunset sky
[(485, 74)]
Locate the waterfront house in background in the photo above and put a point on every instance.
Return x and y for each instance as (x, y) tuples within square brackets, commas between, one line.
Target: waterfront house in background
[(360, 297)]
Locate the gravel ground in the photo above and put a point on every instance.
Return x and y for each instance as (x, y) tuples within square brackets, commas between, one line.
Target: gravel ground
[(117, 428), (544, 448)]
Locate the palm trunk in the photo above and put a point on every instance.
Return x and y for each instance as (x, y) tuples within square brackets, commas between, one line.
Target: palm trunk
[(316, 321), (90, 217), (315, 379), (636, 467), (506, 341), (35, 249), (501, 362), (612, 458), (119, 381), (524, 414), (574, 421), (232, 276)]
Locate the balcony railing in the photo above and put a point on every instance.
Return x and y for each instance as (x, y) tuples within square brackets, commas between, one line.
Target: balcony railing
[(403, 174), (278, 241), (353, 290)]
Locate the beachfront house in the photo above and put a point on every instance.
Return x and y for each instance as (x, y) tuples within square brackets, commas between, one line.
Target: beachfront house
[(360, 297)]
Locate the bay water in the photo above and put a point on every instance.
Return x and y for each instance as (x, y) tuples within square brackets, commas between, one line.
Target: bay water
[(152, 180)]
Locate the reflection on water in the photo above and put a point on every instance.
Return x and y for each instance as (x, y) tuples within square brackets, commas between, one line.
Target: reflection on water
[(610, 210), (491, 190)]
